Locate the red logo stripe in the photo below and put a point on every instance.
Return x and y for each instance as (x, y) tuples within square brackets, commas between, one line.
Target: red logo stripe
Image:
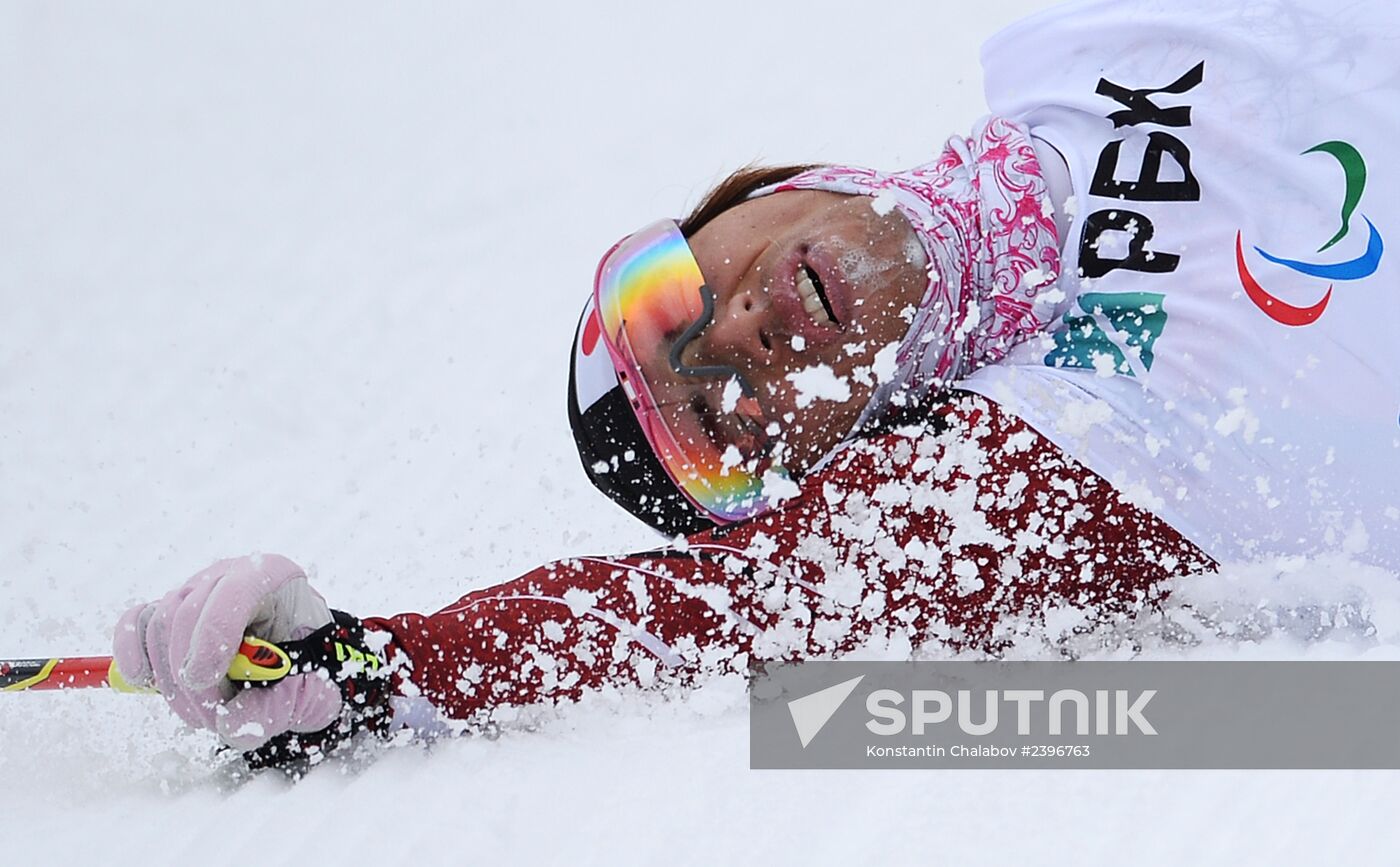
[(1276, 309)]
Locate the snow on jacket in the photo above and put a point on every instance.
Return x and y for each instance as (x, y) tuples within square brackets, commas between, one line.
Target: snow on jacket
[(958, 534)]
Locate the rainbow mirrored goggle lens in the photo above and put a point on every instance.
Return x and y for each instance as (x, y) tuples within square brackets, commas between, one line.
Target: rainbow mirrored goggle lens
[(703, 422)]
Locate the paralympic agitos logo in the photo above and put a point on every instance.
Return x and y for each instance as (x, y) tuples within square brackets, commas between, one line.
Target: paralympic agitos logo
[(1354, 169)]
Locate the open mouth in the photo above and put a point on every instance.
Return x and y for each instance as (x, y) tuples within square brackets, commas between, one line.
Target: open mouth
[(813, 295)]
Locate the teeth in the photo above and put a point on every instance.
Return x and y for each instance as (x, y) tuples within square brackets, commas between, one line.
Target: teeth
[(811, 301)]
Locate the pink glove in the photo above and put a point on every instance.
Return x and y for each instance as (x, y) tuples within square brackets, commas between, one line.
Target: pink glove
[(183, 644)]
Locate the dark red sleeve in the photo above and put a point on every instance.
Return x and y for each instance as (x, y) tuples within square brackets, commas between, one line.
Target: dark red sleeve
[(960, 536)]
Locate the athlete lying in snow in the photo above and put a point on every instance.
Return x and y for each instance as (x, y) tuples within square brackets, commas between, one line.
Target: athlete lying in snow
[(1049, 369)]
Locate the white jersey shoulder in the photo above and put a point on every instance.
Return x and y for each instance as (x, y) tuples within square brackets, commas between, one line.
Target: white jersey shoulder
[(1227, 350)]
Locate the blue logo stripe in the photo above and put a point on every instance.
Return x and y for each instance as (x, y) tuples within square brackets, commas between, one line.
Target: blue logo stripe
[(1356, 269)]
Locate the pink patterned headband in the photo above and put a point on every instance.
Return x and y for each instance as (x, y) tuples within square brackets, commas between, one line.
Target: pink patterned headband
[(981, 212)]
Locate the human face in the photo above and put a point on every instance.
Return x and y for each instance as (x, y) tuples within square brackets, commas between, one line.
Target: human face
[(809, 285)]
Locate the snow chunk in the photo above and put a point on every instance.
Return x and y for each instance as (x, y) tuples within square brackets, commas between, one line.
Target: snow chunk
[(579, 601), (1080, 416), (819, 382), (1036, 277), (1104, 365), (1239, 419), (883, 202), (1154, 445), (969, 579), (886, 363), (777, 488), (732, 392)]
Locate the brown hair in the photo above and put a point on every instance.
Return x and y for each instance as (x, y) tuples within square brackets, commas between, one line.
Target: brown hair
[(735, 189)]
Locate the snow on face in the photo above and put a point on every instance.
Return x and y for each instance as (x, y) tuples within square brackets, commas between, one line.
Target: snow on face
[(808, 286), (819, 382)]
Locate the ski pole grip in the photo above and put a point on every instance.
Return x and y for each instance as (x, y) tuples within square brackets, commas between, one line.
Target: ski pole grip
[(259, 663), (262, 663)]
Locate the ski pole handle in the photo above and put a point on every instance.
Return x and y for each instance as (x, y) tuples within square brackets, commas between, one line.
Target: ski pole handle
[(257, 663)]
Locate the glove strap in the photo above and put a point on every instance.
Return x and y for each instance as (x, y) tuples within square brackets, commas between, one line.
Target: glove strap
[(338, 650)]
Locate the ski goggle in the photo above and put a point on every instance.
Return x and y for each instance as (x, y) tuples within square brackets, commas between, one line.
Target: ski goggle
[(703, 421)]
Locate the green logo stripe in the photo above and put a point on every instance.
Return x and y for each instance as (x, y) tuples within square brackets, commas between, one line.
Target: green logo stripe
[(1355, 169)]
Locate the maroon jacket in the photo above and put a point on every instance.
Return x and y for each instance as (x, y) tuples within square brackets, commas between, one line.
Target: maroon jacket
[(957, 533)]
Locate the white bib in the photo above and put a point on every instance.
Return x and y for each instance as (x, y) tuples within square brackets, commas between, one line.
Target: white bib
[(1227, 351)]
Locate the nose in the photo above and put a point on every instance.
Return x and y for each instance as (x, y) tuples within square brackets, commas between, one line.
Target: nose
[(738, 334)]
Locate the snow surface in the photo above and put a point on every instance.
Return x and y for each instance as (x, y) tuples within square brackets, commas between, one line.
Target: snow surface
[(302, 279)]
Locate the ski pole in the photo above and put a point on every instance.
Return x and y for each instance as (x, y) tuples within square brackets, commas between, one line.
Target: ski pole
[(257, 662)]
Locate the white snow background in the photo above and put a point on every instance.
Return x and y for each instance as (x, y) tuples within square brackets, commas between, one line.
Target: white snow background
[(302, 278)]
